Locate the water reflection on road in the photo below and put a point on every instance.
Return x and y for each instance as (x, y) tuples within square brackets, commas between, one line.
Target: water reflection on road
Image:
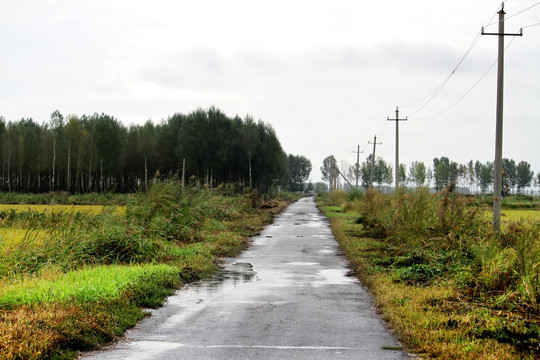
[(289, 296)]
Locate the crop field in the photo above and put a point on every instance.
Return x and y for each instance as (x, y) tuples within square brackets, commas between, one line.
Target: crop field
[(517, 215), (75, 276), (42, 208)]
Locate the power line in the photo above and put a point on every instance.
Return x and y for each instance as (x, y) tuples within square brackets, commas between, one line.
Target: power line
[(468, 91), (528, 26), (439, 87), (516, 14)]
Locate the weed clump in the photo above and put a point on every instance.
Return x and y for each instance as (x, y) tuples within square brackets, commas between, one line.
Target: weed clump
[(72, 280), (417, 244)]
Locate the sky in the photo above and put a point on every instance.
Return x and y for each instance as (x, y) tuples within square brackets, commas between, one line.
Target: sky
[(325, 74)]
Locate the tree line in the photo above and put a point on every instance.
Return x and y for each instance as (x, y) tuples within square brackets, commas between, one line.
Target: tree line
[(97, 153), (474, 176)]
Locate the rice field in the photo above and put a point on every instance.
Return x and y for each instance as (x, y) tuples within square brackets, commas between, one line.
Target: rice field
[(516, 215), (90, 209), (11, 236)]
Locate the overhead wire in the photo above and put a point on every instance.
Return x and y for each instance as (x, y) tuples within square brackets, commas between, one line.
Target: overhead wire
[(529, 26), (439, 87), (514, 15), (470, 89), (466, 53), (431, 95)]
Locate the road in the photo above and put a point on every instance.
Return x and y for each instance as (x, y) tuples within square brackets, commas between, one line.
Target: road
[(288, 296)]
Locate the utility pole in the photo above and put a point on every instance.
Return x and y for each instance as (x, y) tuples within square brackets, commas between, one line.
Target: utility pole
[(375, 143), (497, 186), (357, 152), (397, 120)]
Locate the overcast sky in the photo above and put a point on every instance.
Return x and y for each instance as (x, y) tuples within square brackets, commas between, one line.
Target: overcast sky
[(325, 74)]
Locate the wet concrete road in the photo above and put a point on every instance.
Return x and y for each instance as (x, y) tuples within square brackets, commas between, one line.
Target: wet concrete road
[(288, 296)]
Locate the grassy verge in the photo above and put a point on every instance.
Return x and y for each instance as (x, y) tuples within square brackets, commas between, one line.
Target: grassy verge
[(70, 281), (450, 287)]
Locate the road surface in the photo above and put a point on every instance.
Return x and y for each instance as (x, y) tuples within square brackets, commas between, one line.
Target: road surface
[(288, 297)]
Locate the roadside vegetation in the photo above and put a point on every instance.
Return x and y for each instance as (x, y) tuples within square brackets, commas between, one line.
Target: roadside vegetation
[(72, 280), (449, 286)]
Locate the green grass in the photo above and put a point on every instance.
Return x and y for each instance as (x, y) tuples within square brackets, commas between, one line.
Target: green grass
[(87, 284), (447, 284), (74, 277)]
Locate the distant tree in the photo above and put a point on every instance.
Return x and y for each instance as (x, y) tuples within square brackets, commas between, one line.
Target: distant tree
[(382, 173), (269, 159), (429, 177), (146, 146), (329, 171), (471, 178), (299, 170), (56, 125), (441, 172), (484, 175), (509, 173), (3, 151), (402, 173), (524, 175), (365, 172), (463, 175), (167, 140), (417, 173), (249, 141), (320, 187)]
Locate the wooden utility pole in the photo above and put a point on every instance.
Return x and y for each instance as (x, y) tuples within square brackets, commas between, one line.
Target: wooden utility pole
[(497, 186), (357, 170), (397, 120), (375, 143)]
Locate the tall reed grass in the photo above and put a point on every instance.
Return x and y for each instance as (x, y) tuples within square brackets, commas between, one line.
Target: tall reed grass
[(426, 242)]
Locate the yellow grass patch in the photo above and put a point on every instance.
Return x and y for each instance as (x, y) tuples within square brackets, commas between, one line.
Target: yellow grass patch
[(13, 236), (91, 209), (516, 215)]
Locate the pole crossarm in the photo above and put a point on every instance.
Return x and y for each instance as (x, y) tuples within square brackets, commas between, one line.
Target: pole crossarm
[(520, 33)]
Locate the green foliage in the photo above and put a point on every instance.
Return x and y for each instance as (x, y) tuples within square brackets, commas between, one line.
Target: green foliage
[(97, 153), (95, 284), (441, 275), (524, 175), (299, 170), (75, 280)]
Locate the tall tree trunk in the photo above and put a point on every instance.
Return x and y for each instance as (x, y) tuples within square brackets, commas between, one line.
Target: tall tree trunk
[(53, 164), (9, 171), (145, 174), (101, 175), (78, 172), (90, 175), (69, 169), (250, 178), (3, 172)]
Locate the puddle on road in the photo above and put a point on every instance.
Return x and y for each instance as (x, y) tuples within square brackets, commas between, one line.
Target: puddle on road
[(334, 277), (299, 263), (236, 272)]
